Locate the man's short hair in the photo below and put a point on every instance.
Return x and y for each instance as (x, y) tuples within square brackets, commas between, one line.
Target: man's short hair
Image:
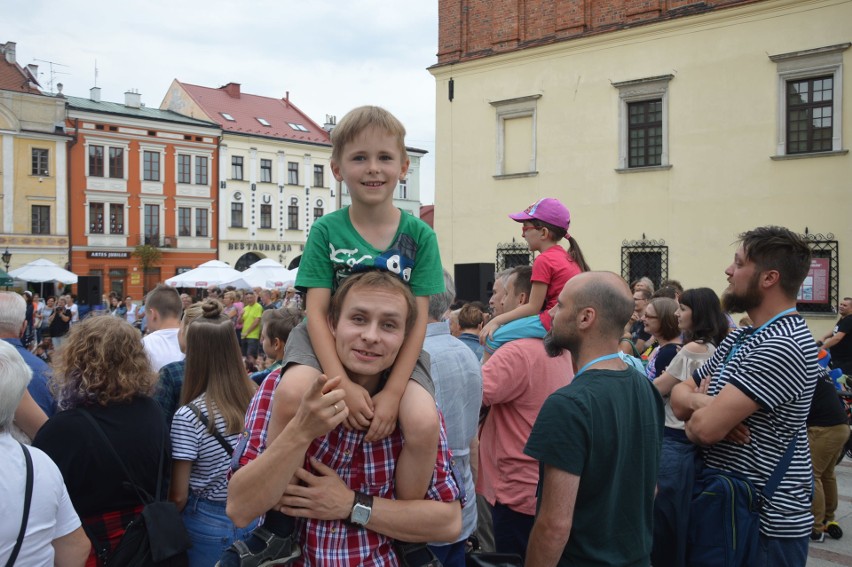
[(613, 306), (779, 248), (523, 280), (277, 323), (374, 279), (439, 303), (359, 119), (13, 310), (470, 316), (165, 301), (16, 376)]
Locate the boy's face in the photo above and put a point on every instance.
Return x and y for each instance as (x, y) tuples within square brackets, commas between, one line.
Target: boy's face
[(371, 165), (270, 346)]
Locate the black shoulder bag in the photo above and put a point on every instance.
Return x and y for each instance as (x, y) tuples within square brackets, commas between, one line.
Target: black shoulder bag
[(28, 498), (155, 538)]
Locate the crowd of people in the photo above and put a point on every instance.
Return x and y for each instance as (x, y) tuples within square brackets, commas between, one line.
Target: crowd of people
[(370, 418)]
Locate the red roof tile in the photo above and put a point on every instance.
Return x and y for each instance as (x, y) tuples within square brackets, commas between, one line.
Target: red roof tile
[(14, 78), (245, 109)]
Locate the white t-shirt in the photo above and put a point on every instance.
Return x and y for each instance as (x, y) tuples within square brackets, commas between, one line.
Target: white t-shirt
[(162, 347), (131, 313), (51, 513), (75, 314)]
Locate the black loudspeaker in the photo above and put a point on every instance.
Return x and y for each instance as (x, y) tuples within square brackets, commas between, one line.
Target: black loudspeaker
[(89, 290), (474, 282)]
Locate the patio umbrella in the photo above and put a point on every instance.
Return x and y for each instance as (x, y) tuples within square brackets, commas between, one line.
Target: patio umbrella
[(267, 273), (6, 279), (209, 273), (41, 270)]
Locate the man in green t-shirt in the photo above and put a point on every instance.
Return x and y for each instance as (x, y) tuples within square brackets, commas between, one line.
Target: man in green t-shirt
[(598, 440), (250, 335)]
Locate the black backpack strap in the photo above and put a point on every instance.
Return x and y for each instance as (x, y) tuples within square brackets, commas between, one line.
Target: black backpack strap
[(206, 423), (28, 498)]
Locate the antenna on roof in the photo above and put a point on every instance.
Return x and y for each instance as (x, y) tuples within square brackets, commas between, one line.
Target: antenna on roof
[(96, 72), (53, 72)]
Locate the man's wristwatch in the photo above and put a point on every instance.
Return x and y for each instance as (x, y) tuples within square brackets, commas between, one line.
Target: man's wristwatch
[(361, 509)]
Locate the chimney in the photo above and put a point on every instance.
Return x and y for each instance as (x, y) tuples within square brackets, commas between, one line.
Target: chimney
[(233, 90), (330, 123), (95, 94), (9, 50), (32, 69), (133, 99), (287, 99)]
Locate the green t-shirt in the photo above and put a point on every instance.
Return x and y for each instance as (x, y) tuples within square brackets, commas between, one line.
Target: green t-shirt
[(607, 428), (335, 250), (250, 313)]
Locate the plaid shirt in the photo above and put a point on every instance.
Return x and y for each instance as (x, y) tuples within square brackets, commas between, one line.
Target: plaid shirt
[(366, 467), (168, 388), (107, 529)]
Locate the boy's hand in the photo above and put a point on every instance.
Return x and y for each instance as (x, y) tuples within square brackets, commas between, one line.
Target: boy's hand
[(488, 330), (360, 406), (384, 417)]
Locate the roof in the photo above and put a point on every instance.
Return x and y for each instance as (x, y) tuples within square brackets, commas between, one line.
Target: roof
[(247, 109), (427, 214), (144, 112), (15, 78)]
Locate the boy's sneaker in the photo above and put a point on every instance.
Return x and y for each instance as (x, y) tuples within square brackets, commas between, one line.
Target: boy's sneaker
[(817, 536), (262, 549)]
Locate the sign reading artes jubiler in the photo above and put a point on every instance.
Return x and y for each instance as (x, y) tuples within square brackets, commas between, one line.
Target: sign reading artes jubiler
[(107, 254)]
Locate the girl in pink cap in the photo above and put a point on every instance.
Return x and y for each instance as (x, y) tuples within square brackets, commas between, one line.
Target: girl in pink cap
[(545, 223)]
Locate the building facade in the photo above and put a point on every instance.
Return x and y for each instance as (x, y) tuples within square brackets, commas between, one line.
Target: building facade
[(667, 128), (139, 177), (33, 167), (275, 177)]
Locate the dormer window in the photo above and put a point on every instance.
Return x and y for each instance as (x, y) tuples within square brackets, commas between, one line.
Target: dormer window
[(227, 117), (264, 121), (297, 127)]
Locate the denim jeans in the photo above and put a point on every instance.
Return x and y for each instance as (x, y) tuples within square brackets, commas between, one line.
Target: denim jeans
[(782, 551), (671, 505), (450, 555), (210, 530), (511, 530)]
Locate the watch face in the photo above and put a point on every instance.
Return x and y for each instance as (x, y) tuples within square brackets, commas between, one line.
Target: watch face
[(360, 514)]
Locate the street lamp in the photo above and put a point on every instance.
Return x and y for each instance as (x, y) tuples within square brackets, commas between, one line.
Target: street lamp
[(7, 258)]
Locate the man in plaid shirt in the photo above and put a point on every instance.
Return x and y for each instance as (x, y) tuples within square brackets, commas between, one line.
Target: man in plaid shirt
[(343, 496)]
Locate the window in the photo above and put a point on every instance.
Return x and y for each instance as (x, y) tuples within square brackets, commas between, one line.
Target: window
[(152, 225), (96, 218), (40, 157), (201, 222), (184, 163), (298, 127), (200, 170), (41, 219), (116, 219), (184, 220), (645, 132), (264, 121), (227, 117), (516, 136), (236, 215), (96, 161), (809, 115), (292, 173), (293, 215), (116, 163), (319, 176), (402, 189), (266, 216), (318, 211), (266, 171), (645, 258), (151, 166), (810, 94), (237, 167), (820, 291), (643, 123)]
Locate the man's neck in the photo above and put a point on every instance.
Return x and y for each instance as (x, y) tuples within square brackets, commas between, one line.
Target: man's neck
[(369, 383), (589, 352), (769, 308)]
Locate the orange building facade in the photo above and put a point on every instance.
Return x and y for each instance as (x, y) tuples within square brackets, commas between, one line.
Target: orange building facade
[(139, 176)]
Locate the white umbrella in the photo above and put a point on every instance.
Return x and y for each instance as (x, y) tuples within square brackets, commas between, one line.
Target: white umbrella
[(41, 270), (209, 273), (266, 273)]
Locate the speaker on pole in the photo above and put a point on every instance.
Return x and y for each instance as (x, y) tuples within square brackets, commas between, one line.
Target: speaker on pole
[(474, 282), (89, 290)]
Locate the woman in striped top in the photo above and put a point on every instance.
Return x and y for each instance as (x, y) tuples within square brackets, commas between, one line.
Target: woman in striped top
[(217, 391)]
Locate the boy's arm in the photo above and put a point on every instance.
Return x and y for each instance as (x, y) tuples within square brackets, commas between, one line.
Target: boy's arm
[(533, 307), (386, 402), (357, 400)]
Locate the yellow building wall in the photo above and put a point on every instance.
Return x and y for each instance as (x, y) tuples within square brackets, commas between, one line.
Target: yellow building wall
[(722, 108), (33, 189)]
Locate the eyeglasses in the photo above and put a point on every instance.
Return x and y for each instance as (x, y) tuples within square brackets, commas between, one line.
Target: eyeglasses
[(651, 317)]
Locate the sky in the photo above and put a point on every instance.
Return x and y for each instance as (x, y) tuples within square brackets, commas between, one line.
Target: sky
[(331, 55)]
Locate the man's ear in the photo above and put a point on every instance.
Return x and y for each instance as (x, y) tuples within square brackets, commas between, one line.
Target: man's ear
[(768, 278), (586, 317)]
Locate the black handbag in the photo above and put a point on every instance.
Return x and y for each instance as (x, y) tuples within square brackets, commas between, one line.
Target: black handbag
[(475, 557), (157, 536)]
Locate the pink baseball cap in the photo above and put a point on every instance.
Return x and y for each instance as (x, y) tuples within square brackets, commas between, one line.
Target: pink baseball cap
[(547, 210)]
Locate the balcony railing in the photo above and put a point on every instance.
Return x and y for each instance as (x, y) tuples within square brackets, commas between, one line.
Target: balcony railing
[(158, 240)]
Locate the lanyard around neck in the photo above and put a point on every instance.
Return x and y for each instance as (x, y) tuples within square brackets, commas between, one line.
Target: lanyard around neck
[(595, 361), (747, 336)]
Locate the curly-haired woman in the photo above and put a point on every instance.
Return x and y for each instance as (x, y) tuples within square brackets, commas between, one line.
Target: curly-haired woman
[(102, 370)]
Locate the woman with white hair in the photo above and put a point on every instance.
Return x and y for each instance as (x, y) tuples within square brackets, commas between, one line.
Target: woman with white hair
[(55, 535)]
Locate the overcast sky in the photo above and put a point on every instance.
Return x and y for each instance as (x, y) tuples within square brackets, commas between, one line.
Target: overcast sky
[(332, 55)]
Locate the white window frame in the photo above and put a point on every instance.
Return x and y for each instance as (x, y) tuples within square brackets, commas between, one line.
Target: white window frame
[(107, 238), (639, 90), (805, 64), (193, 206), (157, 149), (521, 107)]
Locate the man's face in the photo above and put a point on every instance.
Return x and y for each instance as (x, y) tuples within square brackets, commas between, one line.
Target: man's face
[(639, 302), (267, 344), (370, 331), (845, 307), (497, 295), (563, 333), (371, 165), (250, 298), (511, 299), (69, 301), (743, 291)]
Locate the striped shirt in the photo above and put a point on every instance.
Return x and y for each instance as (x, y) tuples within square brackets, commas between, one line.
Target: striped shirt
[(777, 368), (191, 442)]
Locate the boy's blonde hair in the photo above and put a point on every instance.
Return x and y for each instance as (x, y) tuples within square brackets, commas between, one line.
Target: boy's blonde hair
[(359, 119)]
